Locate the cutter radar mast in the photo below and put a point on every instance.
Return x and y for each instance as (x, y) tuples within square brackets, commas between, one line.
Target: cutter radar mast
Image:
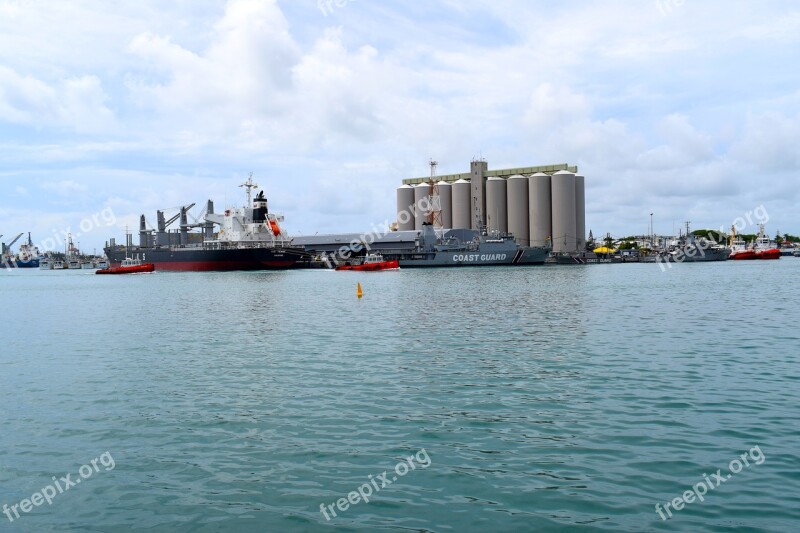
[(435, 211)]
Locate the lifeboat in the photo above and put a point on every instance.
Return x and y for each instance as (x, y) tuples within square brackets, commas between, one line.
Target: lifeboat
[(276, 230)]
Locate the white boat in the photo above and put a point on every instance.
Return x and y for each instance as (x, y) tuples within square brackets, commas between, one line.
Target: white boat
[(58, 265), (45, 264), (101, 263), (74, 264), (87, 265)]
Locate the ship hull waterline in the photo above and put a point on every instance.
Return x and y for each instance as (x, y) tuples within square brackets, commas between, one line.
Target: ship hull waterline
[(206, 260)]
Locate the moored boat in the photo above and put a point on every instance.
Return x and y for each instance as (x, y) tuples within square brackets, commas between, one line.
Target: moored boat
[(772, 253), (764, 247), (739, 249), (248, 238), (372, 263)]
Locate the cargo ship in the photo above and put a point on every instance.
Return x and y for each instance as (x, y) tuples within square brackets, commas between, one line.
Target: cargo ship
[(27, 257), (246, 238), (468, 248)]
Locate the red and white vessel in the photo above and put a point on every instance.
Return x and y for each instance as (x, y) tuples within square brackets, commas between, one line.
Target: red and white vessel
[(764, 247), (129, 266), (739, 249), (372, 263)]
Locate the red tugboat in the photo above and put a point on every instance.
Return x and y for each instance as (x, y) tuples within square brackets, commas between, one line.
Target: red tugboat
[(129, 266), (372, 263), (739, 249), (764, 248)]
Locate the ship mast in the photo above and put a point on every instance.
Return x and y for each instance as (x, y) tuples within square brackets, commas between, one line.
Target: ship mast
[(435, 212), (249, 185)]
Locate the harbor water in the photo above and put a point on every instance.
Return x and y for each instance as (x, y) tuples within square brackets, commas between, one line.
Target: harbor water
[(495, 399)]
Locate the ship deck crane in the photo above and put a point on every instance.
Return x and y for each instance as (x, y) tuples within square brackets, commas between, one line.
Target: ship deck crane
[(176, 217)]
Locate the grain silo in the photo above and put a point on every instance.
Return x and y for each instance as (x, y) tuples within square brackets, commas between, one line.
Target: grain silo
[(496, 206), (422, 203), (580, 212), (518, 221), (446, 203), (540, 208), (461, 205), (565, 219), (405, 209)]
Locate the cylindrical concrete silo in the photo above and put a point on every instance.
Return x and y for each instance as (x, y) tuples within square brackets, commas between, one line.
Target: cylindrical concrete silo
[(564, 217), (496, 206), (580, 212), (461, 205), (405, 208), (446, 201), (421, 202), (518, 221), (540, 207)]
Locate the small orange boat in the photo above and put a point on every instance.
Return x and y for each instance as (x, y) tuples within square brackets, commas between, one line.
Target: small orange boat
[(129, 266), (372, 263)]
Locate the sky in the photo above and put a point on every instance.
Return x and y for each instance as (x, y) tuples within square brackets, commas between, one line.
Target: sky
[(686, 109)]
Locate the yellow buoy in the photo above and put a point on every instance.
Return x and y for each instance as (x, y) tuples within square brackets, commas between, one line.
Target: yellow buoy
[(359, 292)]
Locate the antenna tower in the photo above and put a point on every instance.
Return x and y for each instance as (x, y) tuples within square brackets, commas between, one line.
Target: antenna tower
[(249, 185), (435, 212)]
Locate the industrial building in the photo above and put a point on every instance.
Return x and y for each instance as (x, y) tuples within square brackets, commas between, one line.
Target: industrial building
[(540, 206)]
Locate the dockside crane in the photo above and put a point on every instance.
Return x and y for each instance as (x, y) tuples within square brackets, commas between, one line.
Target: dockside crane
[(12, 243), (6, 248)]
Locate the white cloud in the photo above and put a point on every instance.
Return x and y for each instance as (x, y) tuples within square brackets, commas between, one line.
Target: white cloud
[(76, 103), (146, 102)]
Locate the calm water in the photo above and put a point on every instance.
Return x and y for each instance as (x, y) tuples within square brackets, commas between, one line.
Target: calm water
[(547, 399)]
